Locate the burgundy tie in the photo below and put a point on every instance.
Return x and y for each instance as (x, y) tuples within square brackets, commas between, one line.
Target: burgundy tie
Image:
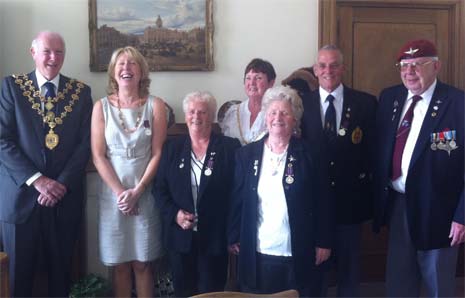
[(401, 139)]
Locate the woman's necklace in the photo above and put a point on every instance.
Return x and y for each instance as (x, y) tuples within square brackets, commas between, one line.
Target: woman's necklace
[(121, 117), (276, 160)]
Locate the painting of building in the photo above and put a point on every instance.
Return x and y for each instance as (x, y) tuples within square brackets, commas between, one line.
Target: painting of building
[(171, 34)]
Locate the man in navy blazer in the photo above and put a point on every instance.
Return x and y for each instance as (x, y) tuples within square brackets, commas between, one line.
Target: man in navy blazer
[(349, 147), (419, 175), (44, 148)]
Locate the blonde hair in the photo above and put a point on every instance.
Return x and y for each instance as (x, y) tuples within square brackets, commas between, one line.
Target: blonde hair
[(132, 52)]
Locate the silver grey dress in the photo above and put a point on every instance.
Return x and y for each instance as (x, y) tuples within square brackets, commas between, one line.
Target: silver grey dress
[(125, 238)]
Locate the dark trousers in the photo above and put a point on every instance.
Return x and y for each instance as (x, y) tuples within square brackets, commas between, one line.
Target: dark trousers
[(195, 272), (345, 258), (44, 235), (408, 268), (274, 274)]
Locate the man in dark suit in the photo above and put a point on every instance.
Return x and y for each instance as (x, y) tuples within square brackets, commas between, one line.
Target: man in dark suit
[(419, 175), (44, 148), (341, 121)]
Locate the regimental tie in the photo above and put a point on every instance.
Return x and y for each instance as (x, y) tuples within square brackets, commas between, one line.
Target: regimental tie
[(401, 138), (330, 119)]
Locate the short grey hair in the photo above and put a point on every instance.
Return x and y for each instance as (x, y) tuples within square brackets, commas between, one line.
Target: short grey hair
[(331, 47), (36, 40), (285, 93), (202, 96)]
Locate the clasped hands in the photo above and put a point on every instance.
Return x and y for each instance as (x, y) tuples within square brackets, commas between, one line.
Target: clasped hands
[(50, 191), (127, 201), (185, 220)]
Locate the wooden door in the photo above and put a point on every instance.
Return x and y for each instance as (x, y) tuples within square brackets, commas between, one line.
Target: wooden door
[(369, 33)]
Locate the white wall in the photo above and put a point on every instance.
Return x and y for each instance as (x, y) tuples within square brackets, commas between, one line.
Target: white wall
[(281, 31)]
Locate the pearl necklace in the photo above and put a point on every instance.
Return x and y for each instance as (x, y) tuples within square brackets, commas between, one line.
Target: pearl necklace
[(121, 117)]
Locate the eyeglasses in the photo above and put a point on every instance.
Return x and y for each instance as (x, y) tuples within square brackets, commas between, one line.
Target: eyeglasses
[(415, 65)]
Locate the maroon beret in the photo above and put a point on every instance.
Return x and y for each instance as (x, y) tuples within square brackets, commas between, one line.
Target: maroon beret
[(417, 48)]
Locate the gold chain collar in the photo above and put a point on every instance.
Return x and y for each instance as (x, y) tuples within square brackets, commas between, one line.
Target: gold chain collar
[(49, 117), (240, 126)]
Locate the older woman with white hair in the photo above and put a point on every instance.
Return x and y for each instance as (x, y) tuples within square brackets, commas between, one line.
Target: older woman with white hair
[(280, 220), (193, 187)]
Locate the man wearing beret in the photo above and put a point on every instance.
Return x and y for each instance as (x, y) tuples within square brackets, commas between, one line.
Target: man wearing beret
[(419, 175)]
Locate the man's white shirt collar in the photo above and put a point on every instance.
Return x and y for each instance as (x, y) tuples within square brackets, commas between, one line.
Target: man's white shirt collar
[(337, 93), (41, 80)]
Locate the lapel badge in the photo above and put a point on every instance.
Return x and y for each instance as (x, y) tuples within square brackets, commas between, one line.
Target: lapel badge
[(357, 135), (434, 114), (438, 101), (255, 167), (435, 108), (348, 112), (396, 103), (181, 165), (292, 158)]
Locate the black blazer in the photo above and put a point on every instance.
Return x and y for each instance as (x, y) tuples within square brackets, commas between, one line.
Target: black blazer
[(173, 191), (435, 181), (23, 152), (310, 218), (350, 159)]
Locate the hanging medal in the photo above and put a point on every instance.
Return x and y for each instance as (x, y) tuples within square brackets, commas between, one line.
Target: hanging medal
[(441, 145), (433, 141), (51, 139), (290, 171), (452, 143), (289, 174), (448, 137), (210, 162), (147, 129)]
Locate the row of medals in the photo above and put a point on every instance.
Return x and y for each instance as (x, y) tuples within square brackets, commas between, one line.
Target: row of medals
[(49, 117), (444, 141)]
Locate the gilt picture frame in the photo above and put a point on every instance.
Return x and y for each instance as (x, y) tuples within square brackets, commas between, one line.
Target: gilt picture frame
[(173, 35)]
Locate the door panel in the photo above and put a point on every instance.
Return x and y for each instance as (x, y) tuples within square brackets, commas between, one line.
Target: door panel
[(370, 38)]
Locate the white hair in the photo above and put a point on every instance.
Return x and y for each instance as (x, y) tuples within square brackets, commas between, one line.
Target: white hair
[(201, 96)]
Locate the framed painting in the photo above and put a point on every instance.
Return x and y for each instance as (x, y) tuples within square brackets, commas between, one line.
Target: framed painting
[(171, 34)]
